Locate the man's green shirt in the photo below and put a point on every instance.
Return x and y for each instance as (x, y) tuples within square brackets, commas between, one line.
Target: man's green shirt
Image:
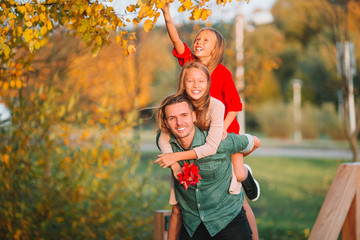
[(210, 201)]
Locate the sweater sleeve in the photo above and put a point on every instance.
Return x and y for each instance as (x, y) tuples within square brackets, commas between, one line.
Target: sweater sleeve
[(213, 139), (164, 144)]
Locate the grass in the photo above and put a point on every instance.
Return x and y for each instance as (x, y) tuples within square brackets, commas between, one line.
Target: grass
[(292, 192)]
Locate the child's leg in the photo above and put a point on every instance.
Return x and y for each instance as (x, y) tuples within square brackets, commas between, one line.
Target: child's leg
[(240, 170), (251, 219), (243, 174)]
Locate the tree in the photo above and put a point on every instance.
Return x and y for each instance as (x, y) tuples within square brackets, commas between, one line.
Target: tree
[(26, 26), (341, 17)]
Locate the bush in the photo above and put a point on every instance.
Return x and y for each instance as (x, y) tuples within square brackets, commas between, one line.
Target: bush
[(311, 124), (333, 125), (72, 180), (275, 119)]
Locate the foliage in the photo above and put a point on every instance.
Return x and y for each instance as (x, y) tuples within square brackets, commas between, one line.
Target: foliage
[(69, 169), (78, 181), (262, 48), (27, 25), (333, 126), (275, 119), (311, 125), (310, 30)]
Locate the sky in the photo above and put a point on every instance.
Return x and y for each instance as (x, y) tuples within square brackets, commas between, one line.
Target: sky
[(219, 13)]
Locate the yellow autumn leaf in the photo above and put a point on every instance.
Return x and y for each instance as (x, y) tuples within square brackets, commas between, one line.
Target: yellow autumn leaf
[(187, 4), (28, 23), (6, 159), (6, 86), (204, 15), (37, 44), (88, 10), (42, 17), (49, 25), (11, 16), (17, 235), (26, 17), (98, 40), (118, 39), (131, 49), (196, 14), (181, 9), (43, 30), (130, 8), (28, 35), (148, 25), (18, 84), (5, 49), (3, 18), (21, 9), (108, 28), (209, 12)]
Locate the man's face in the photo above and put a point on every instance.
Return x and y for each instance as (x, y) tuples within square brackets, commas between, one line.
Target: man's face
[(180, 121)]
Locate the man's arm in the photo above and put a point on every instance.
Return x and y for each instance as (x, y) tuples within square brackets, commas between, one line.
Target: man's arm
[(175, 223), (242, 143), (173, 34), (256, 145)]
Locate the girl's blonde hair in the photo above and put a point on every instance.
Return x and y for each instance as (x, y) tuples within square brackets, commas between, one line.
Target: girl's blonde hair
[(202, 104), (219, 48)]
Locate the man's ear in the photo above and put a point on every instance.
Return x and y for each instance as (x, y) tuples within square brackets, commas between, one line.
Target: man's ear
[(193, 115)]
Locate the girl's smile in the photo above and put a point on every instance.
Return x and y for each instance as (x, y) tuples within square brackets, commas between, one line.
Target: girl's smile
[(204, 44), (195, 83)]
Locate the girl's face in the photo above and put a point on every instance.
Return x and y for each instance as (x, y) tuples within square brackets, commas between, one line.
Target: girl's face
[(204, 44), (195, 83)]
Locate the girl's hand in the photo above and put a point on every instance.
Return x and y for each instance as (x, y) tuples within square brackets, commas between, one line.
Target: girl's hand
[(224, 135), (166, 8), (165, 160), (176, 170)]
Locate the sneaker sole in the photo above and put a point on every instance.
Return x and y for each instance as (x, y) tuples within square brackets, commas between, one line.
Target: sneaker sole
[(256, 182)]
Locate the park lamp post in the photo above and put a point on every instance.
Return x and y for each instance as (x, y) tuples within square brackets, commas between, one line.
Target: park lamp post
[(297, 109)]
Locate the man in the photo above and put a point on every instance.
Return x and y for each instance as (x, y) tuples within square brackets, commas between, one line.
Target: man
[(208, 210)]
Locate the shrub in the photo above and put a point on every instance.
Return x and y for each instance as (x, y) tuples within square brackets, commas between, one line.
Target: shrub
[(333, 125), (311, 124), (275, 119), (62, 179)]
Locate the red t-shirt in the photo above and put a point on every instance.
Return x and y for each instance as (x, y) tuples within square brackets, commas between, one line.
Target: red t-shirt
[(222, 87)]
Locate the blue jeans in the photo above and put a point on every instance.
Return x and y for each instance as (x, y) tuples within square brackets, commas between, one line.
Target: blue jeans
[(237, 229)]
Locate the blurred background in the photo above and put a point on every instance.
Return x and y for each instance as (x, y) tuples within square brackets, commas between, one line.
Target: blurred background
[(77, 141)]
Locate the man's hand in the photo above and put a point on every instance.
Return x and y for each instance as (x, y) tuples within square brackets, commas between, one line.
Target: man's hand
[(166, 159)]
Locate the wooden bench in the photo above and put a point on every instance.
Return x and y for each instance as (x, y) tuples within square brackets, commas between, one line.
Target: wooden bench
[(340, 211)]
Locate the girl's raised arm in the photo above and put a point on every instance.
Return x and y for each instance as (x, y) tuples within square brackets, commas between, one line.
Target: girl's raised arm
[(173, 33)]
